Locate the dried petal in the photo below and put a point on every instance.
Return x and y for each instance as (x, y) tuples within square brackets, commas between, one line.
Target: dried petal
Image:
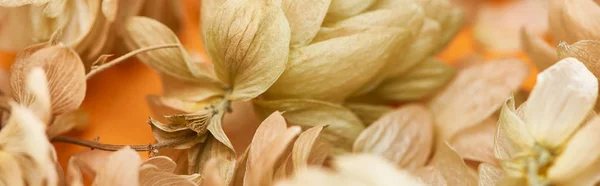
[(37, 88), (511, 133), (309, 150), (305, 18), (475, 94), (431, 176), (162, 163), (452, 167), (368, 113), (585, 51), (477, 142), (342, 125), (342, 9), (573, 161), (263, 173), (200, 154), (318, 71), (144, 32), (74, 176), (153, 175), (404, 136), (552, 116), (249, 44), (121, 168), (212, 177), (489, 174), (571, 21), (425, 46), (264, 136), (190, 90), (540, 52), (64, 71), (176, 133), (422, 80), (66, 122), (16, 3)]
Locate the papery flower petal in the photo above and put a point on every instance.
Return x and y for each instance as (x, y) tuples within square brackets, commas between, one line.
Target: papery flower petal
[(475, 94), (403, 136), (211, 176), (341, 9), (586, 51), (319, 71), (560, 101), (305, 19), (309, 150), (489, 174), (121, 168), (511, 133), (248, 43), (368, 113), (342, 125), (430, 175), (162, 163), (262, 172), (573, 20), (540, 52), (452, 167), (578, 154), (266, 133), (477, 142)]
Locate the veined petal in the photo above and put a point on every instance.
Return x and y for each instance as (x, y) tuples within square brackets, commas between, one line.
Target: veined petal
[(475, 94), (579, 154), (404, 137), (511, 132), (573, 20), (560, 101), (586, 51), (342, 9), (489, 174), (121, 168), (477, 142), (248, 42), (305, 18)]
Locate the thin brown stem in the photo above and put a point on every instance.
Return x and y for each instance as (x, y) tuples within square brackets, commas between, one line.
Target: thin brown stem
[(127, 56), (111, 147)]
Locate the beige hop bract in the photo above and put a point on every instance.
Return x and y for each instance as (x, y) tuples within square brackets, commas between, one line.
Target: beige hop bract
[(551, 138)]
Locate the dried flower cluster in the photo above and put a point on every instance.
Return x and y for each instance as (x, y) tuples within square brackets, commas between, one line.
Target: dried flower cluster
[(349, 92)]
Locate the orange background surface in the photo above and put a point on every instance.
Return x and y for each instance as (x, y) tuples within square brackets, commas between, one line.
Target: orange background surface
[(116, 98)]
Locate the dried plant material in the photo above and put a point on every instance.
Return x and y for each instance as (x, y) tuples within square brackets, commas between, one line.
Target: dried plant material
[(207, 13), (212, 178), (331, 66), (66, 122), (477, 142), (551, 127), (65, 74), (545, 115), (73, 174), (25, 151), (194, 91), (411, 125), (497, 27), (431, 176), (475, 94), (249, 54), (342, 125), (421, 48), (350, 170), (571, 21), (342, 9), (585, 51), (126, 162), (176, 133), (201, 153), (309, 149), (305, 18), (159, 171), (261, 172), (489, 174), (452, 167), (174, 62), (368, 113), (264, 136), (540, 52), (421, 81), (15, 3)]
